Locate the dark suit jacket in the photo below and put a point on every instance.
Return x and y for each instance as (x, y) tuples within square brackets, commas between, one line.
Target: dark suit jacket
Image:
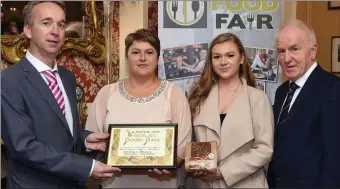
[(307, 144), (41, 150)]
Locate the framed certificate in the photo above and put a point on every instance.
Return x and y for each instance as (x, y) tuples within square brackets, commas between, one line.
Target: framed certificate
[(142, 146)]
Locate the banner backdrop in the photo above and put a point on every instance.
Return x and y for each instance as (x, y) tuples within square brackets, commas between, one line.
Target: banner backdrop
[(186, 28)]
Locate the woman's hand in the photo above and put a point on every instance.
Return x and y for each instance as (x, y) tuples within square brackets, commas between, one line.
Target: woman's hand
[(206, 176), (160, 175), (209, 177)]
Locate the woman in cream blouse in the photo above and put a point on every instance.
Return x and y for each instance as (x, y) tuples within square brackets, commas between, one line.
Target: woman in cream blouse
[(228, 109), (143, 98)]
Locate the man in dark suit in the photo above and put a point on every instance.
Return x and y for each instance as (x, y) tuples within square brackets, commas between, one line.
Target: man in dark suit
[(40, 122), (307, 116)]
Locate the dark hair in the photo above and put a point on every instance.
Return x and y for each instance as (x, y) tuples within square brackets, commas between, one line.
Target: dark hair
[(209, 78), (27, 11), (144, 35)]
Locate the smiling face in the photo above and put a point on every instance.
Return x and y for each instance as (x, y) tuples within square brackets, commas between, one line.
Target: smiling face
[(296, 53), (203, 54), (47, 31), (226, 60), (142, 59)]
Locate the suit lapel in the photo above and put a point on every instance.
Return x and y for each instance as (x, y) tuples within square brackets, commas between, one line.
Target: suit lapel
[(281, 95), (308, 87), (73, 102), (38, 82)]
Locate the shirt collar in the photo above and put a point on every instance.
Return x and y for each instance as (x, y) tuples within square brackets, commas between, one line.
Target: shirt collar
[(39, 65), (302, 80)]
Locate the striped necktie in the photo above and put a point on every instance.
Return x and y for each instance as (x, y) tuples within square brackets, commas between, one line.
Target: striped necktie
[(284, 111), (53, 85)]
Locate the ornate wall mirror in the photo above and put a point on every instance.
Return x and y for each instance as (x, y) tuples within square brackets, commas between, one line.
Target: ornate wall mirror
[(84, 32)]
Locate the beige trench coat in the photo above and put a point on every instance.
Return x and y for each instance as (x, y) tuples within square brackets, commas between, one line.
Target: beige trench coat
[(245, 139)]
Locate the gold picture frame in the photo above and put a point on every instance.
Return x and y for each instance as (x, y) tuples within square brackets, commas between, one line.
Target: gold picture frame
[(142, 146), (13, 48)]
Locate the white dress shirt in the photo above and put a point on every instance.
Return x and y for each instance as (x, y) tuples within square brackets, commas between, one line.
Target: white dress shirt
[(40, 66), (301, 82)]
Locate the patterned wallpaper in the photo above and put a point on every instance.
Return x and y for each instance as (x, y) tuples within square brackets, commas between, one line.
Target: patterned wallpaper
[(92, 76), (115, 43), (153, 16), (88, 75)]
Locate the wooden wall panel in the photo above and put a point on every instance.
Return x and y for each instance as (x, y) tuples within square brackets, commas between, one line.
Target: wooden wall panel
[(326, 24)]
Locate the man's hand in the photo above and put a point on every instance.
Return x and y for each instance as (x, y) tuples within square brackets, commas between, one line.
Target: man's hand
[(102, 171), (97, 141)]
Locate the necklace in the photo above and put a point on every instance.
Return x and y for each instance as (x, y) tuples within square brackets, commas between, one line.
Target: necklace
[(225, 107)]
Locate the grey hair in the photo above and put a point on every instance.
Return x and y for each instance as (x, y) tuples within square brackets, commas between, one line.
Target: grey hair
[(28, 13), (306, 29)]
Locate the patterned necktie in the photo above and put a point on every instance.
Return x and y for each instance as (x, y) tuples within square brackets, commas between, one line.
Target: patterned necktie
[(284, 111), (53, 85)]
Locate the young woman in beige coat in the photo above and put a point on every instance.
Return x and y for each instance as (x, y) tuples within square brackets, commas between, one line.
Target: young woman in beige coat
[(228, 109)]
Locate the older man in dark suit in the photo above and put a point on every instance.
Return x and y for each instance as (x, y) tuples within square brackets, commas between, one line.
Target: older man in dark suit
[(40, 123), (307, 116)]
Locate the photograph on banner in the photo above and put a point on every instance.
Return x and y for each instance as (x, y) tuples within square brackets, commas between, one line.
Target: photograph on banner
[(263, 63), (184, 61), (261, 85)]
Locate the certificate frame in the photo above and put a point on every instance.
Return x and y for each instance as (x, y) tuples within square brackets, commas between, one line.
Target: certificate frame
[(115, 157)]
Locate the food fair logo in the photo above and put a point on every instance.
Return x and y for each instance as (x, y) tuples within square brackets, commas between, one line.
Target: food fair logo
[(227, 15), (185, 14), (232, 14)]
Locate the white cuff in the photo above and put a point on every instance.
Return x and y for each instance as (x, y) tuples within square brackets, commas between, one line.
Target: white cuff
[(87, 150), (92, 168)]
